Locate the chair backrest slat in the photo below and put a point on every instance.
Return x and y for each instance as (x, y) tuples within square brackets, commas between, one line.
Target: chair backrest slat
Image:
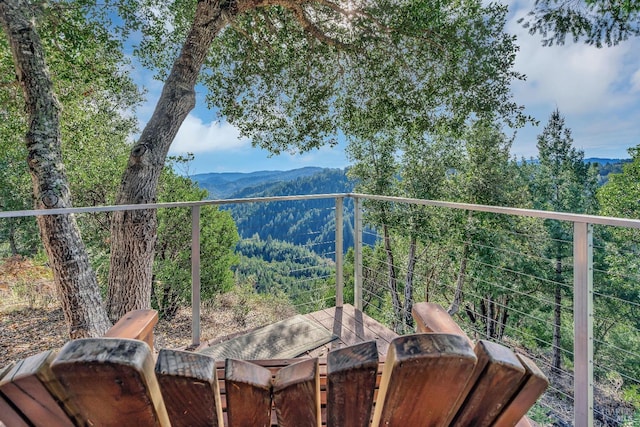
[(533, 384), (351, 383), (27, 386), (11, 416), (189, 386), (430, 368), (111, 381), (495, 379), (248, 393), (296, 395)]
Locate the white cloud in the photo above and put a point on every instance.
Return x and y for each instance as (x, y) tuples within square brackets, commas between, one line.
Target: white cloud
[(195, 136), (575, 77), (635, 81)]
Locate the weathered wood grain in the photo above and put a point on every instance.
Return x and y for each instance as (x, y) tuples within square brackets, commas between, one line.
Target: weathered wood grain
[(433, 318), (430, 317), (296, 394), (495, 379), (351, 382), (189, 386), (431, 369), (352, 327), (248, 393), (27, 386), (533, 385), (111, 381), (9, 415)]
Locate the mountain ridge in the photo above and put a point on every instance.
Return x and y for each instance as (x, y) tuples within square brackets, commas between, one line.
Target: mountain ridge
[(222, 185)]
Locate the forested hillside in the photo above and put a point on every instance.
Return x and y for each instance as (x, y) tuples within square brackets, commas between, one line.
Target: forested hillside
[(292, 222), (292, 272), (225, 185), (309, 222), (606, 167)]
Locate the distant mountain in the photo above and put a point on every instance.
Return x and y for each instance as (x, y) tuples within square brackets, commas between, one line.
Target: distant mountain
[(607, 167), (604, 161), (604, 166), (225, 185), (307, 222), (600, 160)]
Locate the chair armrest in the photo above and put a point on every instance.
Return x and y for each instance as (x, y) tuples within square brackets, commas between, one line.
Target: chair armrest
[(430, 317), (136, 324)]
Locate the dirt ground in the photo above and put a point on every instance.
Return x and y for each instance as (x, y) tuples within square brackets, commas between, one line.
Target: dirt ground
[(27, 331), (31, 320)]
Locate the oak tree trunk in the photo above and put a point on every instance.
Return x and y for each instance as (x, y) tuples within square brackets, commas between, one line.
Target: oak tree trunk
[(75, 280), (133, 233)]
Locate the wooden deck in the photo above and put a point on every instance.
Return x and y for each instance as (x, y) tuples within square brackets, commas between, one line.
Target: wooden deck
[(349, 325)]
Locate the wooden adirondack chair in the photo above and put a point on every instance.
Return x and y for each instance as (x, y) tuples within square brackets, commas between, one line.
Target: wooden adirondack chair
[(426, 379)]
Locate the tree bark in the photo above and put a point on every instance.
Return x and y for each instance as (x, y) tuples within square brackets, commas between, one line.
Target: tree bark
[(408, 285), (503, 318), (462, 271), (556, 355), (134, 233), (75, 280), (12, 238), (392, 279), (488, 317)]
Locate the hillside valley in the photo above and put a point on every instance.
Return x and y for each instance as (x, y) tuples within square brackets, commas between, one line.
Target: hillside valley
[(307, 222)]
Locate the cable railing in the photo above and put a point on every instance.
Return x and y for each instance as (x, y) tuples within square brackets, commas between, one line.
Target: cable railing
[(548, 288), (570, 302)]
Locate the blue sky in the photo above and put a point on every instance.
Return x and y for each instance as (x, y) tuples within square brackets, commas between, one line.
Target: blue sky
[(597, 91)]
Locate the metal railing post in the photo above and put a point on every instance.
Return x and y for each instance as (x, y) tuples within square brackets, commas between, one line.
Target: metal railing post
[(195, 275), (339, 252), (583, 323), (357, 229)]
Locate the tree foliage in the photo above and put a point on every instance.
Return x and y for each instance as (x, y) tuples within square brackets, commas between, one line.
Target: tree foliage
[(597, 22), (172, 268), (295, 75), (563, 183), (289, 271)]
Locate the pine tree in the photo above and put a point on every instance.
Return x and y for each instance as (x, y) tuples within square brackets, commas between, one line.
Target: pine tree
[(562, 182)]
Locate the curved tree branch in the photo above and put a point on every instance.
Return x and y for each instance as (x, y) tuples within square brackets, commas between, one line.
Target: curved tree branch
[(314, 30)]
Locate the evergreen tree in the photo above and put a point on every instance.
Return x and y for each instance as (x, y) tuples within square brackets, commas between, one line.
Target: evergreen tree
[(562, 182), (487, 176)]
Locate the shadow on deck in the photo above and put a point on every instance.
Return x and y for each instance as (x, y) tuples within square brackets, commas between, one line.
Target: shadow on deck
[(310, 335)]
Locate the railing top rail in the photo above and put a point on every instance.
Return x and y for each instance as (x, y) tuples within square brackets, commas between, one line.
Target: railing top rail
[(114, 208), (570, 217)]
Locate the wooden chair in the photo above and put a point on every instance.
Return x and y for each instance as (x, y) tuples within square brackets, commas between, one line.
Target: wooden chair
[(505, 385), (426, 379)]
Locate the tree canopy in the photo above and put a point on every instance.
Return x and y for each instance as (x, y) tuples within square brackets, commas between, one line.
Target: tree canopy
[(291, 75)]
